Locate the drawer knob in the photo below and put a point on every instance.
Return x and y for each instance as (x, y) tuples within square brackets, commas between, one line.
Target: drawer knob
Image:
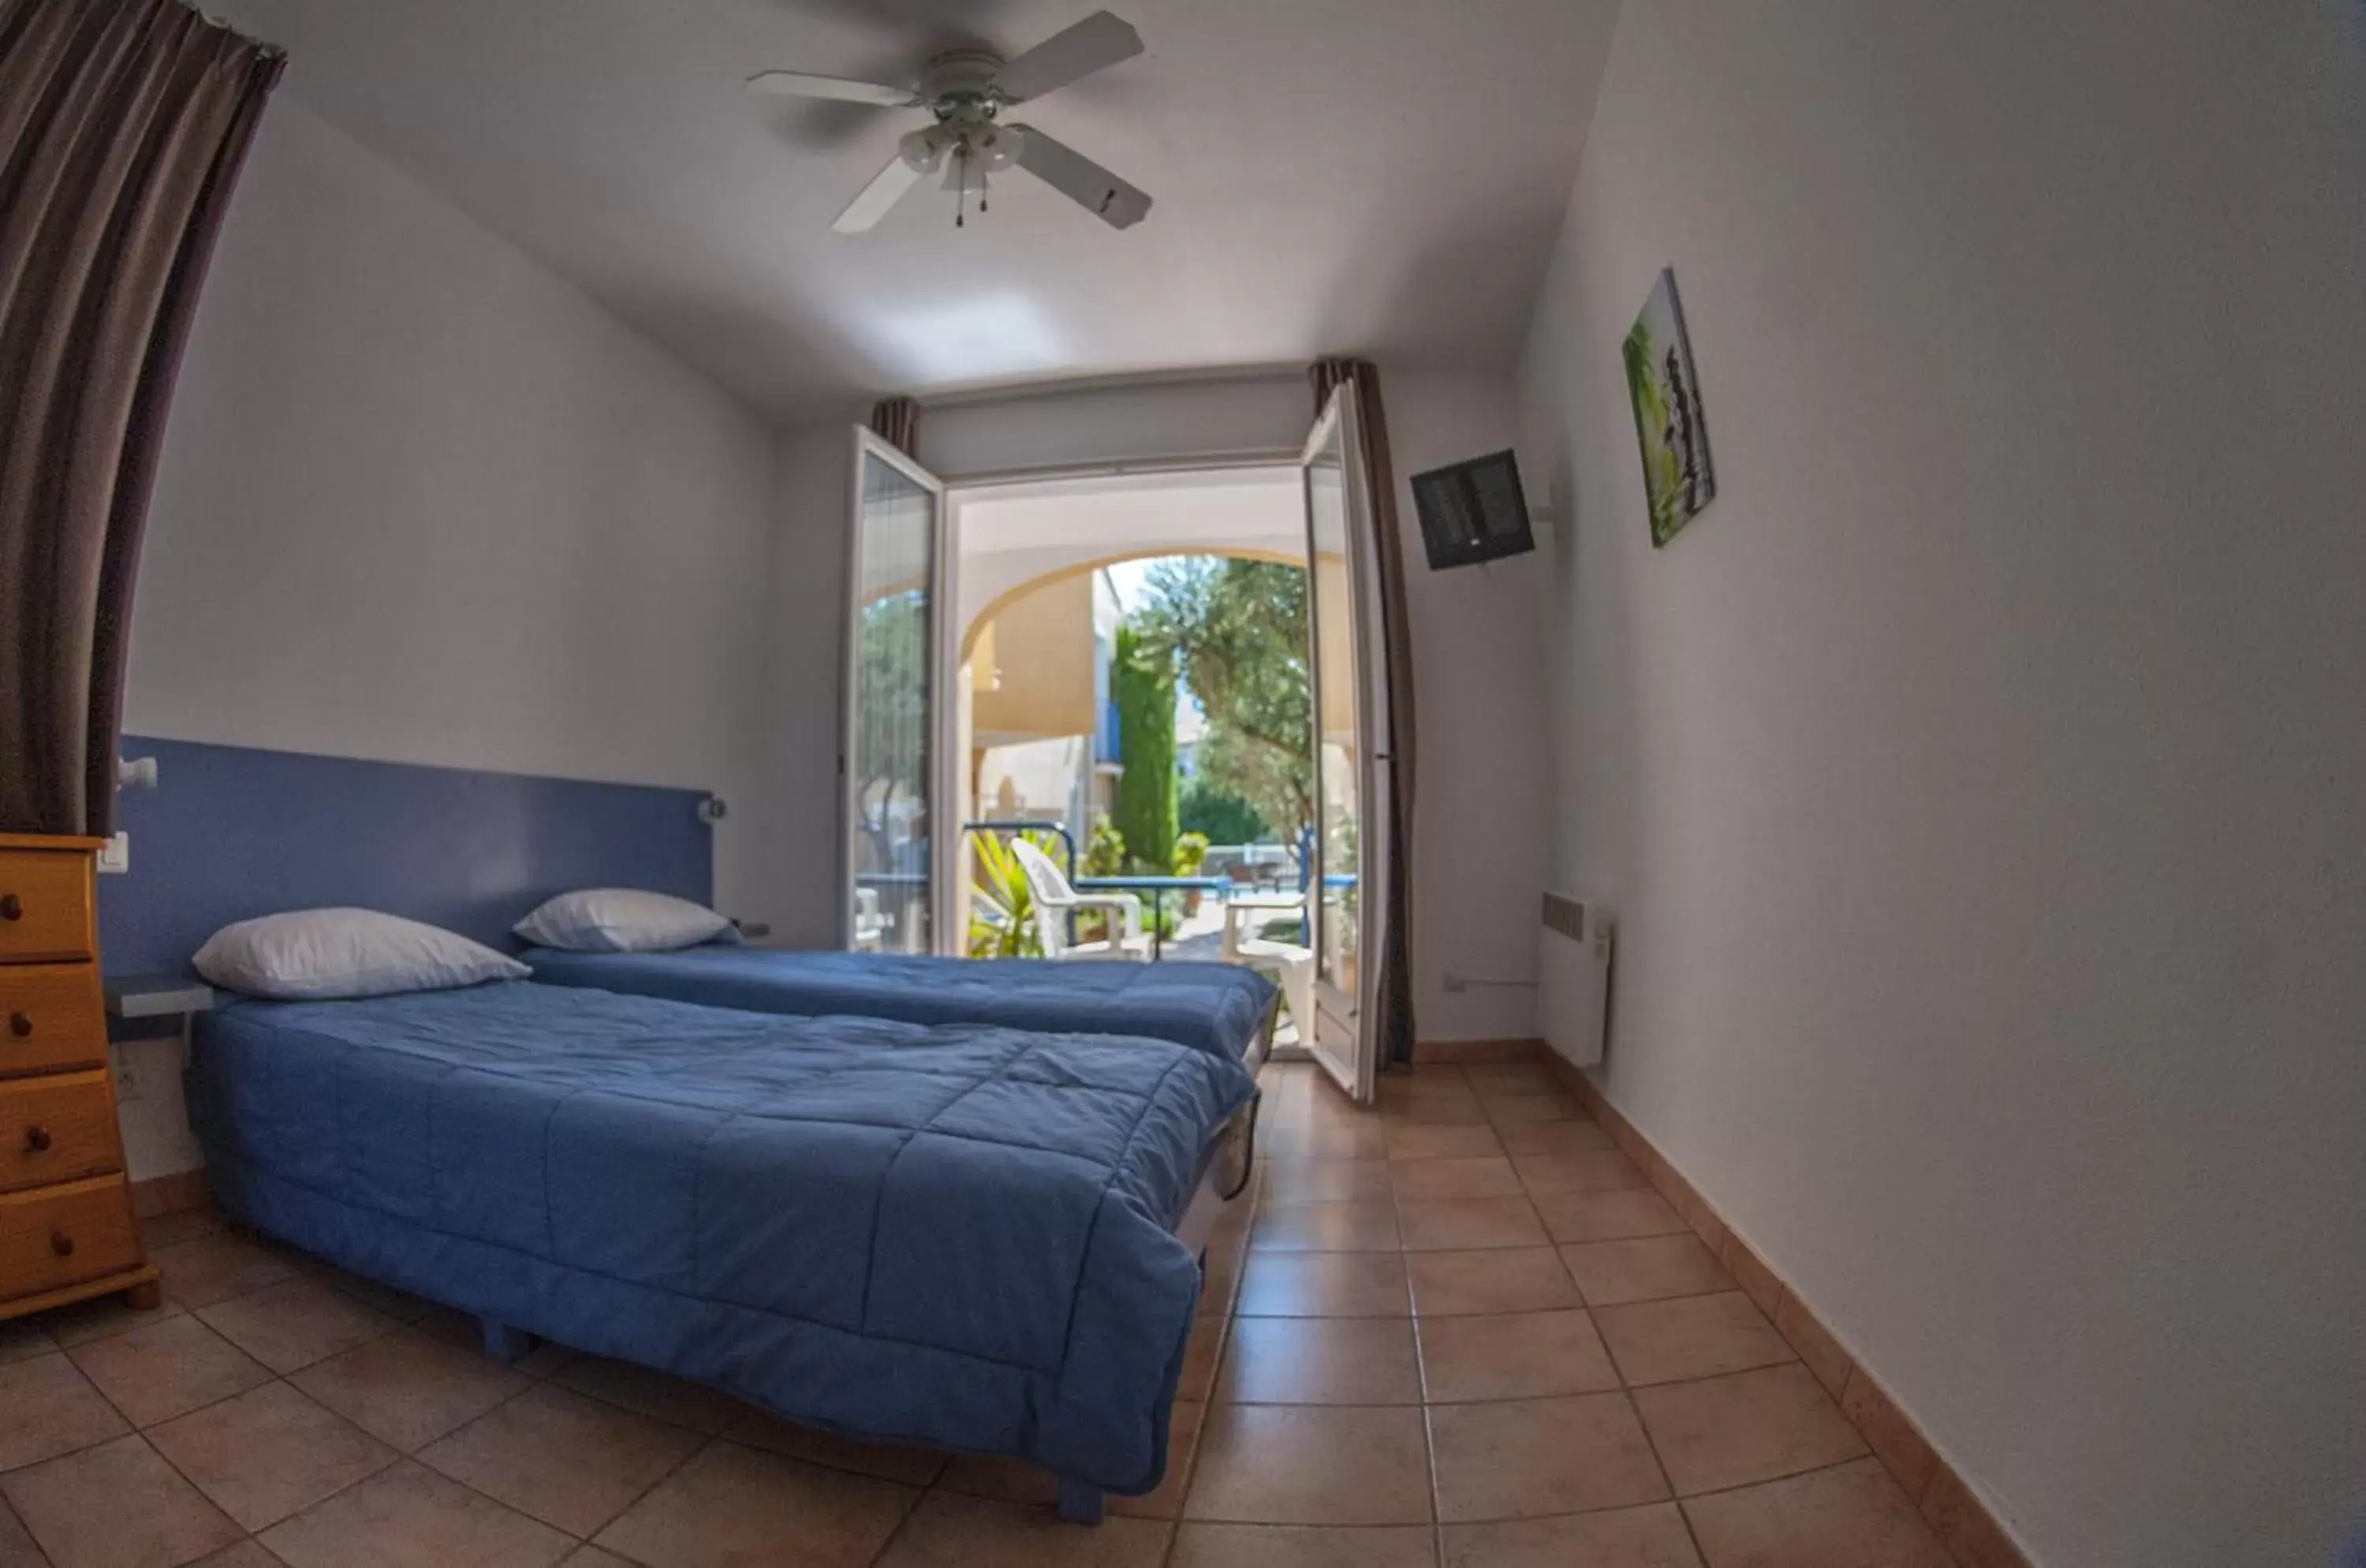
[(37, 1140), (19, 1025), (61, 1244), (11, 907)]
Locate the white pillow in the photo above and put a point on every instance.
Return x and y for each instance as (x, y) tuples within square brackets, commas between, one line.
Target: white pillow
[(324, 954), (623, 920)]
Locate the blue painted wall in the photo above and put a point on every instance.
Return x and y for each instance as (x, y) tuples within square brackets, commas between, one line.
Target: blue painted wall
[(232, 832)]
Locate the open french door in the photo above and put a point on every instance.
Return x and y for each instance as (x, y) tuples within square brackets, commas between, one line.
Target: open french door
[(893, 761), (1348, 880)]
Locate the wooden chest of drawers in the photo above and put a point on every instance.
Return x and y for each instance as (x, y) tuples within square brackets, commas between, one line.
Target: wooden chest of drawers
[(66, 1228)]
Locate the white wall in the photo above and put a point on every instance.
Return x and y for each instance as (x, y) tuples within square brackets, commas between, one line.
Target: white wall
[(1978, 782), (1480, 806), (1480, 802), (423, 502), (807, 633)]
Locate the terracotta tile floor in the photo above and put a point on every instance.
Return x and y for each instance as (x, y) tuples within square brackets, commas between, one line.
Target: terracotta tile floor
[(1455, 1332)]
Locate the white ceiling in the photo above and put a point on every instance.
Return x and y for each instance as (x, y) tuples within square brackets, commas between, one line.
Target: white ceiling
[(1379, 176)]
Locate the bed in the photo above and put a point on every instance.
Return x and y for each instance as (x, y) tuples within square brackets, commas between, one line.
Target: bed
[(963, 1236), (1218, 1008)]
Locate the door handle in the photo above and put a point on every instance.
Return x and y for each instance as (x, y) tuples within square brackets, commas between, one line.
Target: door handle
[(37, 1140), (19, 1025), (61, 1244), (11, 907)]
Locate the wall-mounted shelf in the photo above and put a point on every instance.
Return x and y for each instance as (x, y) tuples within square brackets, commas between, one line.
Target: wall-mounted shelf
[(156, 995)]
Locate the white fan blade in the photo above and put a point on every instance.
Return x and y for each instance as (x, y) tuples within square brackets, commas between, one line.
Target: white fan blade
[(1096, 43), (1077, 177), (798, 84), (884, 190)]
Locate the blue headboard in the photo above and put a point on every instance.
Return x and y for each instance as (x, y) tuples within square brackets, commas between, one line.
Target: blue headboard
[(232, 832)]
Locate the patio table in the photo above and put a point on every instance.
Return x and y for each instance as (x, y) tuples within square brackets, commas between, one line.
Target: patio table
[(1159, 887)]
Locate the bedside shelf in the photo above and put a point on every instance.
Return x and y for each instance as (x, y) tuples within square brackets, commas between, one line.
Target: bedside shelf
[(155, 995)]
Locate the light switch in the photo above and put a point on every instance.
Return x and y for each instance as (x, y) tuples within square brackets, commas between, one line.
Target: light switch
[(115, 855)]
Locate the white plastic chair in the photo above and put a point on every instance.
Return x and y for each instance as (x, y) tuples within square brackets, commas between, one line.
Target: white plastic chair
[(1291, 966), (870, 926), (1240, 904), (1055, 900)]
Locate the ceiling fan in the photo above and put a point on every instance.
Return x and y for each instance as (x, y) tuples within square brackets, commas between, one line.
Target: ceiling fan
[(967, 90)]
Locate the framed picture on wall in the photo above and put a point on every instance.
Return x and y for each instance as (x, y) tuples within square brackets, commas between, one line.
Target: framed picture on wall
[(1678, 480)]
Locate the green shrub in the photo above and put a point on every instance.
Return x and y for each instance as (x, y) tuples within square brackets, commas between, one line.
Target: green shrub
[(1141, 683), (1222, 816), (1104, 850)]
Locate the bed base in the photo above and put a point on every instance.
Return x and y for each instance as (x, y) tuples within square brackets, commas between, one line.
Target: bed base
[(1082, 1502), (503, 1343)]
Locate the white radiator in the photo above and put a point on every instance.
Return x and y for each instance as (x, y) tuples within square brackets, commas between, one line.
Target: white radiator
[(1573, 976)]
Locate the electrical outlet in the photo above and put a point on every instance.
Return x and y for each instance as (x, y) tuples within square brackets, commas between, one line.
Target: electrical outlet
[(129, 1083), (115, 855)]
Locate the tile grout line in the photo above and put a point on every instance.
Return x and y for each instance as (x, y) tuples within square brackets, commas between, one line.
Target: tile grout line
[(395, 1326), (1674, 1188), (1421, 1363), (502, 1403), (1625, 1387), (1228, 1320), (400, 1455), (27, 1531), (920, 1500), (637, 1498), (1232, 1315), (1683, 1515)]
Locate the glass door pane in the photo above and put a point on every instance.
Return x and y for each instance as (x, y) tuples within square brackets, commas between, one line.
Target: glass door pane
[(891, 699), (1340, 866)]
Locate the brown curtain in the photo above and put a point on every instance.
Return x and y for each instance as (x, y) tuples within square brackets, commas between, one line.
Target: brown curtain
[(897, 421), (1396, 1023), (122, 127)]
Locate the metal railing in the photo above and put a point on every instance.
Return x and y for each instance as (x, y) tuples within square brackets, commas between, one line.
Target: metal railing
[(1028, 825)]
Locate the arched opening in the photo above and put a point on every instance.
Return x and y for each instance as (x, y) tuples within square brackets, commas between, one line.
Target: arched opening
[(1049, 582)]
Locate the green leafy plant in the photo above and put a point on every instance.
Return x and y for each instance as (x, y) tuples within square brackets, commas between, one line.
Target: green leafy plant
[(1104, 849), (1002, 906), (1190, 859)]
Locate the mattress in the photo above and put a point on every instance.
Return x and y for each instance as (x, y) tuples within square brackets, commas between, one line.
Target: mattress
[(1218, 1008), (958, 1235)]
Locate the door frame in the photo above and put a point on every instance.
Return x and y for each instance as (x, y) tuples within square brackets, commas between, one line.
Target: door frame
[(941, 568), (980, 483), (1341, 418)]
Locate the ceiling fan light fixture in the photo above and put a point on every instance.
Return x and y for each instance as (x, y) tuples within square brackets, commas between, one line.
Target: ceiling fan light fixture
[(965, 90), (923, 151), (993, 149)]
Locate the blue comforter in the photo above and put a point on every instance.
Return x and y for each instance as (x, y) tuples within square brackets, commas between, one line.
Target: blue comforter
[(1219, 1008), (958, 1236)]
